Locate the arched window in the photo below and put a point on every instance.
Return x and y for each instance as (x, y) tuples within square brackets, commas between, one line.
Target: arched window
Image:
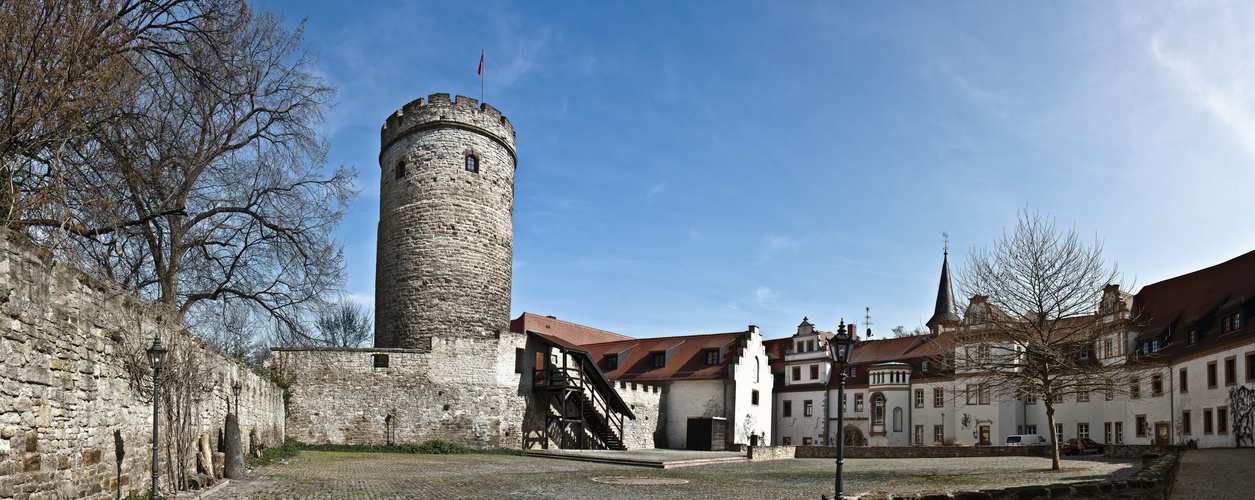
[(758, 369), (401, 169), (878, 409), (472, 162), (897, 419)]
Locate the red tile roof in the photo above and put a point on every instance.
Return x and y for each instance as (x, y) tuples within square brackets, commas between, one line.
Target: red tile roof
[(686, 363), (571, 332), (1198, 300)]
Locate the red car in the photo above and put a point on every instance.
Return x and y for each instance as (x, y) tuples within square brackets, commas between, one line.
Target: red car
[(1077, 446)]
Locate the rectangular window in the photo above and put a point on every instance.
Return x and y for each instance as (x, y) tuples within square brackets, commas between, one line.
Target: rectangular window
[(919, 398), (612, 362), (1032, 400), (1058, 398), (1030, 429), (1082, 430), (972, 393), (788, 408), (754, 397), (1250, 367), (810, 345), (1106, 432), (1140, 422), (1186, 428), (984, 394), (1106, 348), (1058, 433), (797, 373), (1110, 395), (1082, 395), (919, 434), (806, 441), (858, 402), (712, 357), (938, 435), (1191, 336), (1211, 375), (814, 372), (808, 408), (658, 359), (1184, 381), (1222, 420), (939, 397), (1119, 432), (1207, 421), (1156, 385), (1231, 322), (378, 360), (1135, 388), (1230, 371), (786, 441), (518, 360)]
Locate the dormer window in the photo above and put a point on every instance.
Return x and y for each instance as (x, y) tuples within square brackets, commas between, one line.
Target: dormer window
[(1191, 336), (1231, 322), (612, 362), (711, 357), (658, 359), (472, 162)]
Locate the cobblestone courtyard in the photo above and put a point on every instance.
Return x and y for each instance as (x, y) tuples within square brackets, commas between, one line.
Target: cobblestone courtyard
[(319, 475)]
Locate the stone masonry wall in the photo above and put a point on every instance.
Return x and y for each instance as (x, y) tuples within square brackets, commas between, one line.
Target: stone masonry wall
[(446, 239), (66, 389), (649, 428), (463, 390)]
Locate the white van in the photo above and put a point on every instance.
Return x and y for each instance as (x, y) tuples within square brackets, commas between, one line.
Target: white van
[(1026, 440)]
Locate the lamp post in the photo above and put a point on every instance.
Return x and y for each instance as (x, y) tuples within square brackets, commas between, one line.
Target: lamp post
[(839, 348), (156, 358), (235, 389)]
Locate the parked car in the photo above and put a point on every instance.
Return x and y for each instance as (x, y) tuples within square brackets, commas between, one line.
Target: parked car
[(1077, 446), (1025, 440)]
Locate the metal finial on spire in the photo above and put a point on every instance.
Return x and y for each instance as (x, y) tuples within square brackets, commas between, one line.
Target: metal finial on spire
[(945, 238)]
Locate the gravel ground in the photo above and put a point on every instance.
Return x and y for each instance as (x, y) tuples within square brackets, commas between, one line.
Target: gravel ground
[(320, 475)]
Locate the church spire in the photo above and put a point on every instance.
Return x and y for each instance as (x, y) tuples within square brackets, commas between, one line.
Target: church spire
[(945, 310)]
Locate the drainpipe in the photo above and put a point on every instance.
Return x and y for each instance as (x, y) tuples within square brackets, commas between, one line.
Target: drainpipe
[(1172, 405)]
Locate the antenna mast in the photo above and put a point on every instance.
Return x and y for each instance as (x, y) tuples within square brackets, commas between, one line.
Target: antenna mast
[(867, 320)]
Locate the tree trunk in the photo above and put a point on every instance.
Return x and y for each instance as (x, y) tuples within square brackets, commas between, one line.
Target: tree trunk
[(1054, 436)]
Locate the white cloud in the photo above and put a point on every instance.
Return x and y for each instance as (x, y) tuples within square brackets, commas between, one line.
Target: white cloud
[(1229, 98), (777, 245)]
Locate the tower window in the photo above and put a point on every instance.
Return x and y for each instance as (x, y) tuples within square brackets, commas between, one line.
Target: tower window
[(378, 360), (400, 169), (472, 162)]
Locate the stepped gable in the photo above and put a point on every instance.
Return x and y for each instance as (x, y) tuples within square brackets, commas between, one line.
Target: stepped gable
[(684, 357), (1170, 307), (571, 332)]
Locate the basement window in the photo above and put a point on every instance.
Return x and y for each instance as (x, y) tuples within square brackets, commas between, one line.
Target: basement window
[(378, 360)]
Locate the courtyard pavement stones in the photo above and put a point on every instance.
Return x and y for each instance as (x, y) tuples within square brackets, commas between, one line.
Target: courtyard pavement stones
[(1215, 473), (323, 475)]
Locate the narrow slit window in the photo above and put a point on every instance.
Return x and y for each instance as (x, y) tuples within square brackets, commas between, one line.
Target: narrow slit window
[(400, 169)]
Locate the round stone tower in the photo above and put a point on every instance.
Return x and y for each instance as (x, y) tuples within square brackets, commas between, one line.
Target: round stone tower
[(446, 236)]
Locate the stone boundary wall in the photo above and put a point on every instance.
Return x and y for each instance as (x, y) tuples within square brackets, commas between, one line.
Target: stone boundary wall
[(1139, 450), (650, 427), (772, 452), (65, 388), (463, 390), (922, 451)]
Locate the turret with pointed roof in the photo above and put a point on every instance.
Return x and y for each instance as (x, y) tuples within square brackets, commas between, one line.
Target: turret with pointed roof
[(944, 314)]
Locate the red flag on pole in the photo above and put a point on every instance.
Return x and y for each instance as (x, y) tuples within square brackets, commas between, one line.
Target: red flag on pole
[(481, 63)]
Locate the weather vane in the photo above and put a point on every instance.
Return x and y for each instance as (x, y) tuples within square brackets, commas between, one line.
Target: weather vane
[(945, 238)]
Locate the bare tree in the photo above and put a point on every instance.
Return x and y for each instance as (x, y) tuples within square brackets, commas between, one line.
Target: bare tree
[(901, 331), (344, 324), (1037, 318), (200, 183)]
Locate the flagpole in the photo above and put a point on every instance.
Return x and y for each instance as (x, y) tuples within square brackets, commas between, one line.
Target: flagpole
[(481, 76)]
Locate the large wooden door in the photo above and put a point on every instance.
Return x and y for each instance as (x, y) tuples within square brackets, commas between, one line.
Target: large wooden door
[(984, 435), (1162, 434)]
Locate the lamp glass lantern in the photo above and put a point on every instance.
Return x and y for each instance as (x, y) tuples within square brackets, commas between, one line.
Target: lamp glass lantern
[(157, 354), (839, 346)]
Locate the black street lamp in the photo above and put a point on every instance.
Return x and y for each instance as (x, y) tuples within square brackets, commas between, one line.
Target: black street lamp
[(839, 348), (235, 389), (156, 358)]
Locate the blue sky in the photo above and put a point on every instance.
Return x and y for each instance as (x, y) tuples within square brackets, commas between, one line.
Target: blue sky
[(695, 167)]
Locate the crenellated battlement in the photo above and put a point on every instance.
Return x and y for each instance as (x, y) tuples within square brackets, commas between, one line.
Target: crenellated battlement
[(439, 110)]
